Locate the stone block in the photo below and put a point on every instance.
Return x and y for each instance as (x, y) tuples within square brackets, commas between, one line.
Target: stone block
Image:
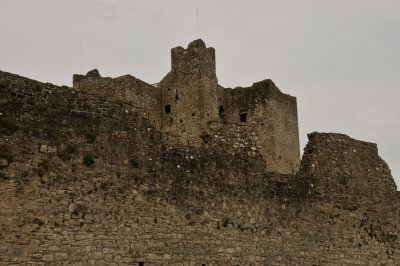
[(97, 255), (60, 256), (43, 148), (48, 258)]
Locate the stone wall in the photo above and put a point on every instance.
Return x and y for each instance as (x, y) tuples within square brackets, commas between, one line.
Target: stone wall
[(119, 225), (125, 89), (187, 103), (344, 169), (140, 201), (272, 116)]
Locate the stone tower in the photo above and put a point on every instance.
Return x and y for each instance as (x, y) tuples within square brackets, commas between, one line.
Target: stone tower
[(189, 94), (189, 108)]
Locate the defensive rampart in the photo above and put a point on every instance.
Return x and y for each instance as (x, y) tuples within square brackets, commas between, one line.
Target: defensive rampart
[(87, 181)]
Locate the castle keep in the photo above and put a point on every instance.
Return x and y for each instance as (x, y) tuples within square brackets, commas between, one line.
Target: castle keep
[(188, 104), (115, 171)]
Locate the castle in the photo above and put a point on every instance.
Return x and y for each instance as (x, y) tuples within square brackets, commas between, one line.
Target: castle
[(188, 103), (115, 171)]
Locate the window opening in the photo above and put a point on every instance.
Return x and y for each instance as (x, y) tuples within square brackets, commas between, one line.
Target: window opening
[(243, 116), (141, 263), (205, 137), (167, 109), (221, 112)]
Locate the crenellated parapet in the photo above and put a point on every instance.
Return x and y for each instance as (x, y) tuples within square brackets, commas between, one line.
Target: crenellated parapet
[(92, 76), (196, 59), (189, 95)]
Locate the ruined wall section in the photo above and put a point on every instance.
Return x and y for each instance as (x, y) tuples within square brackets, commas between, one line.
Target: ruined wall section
[(189, 98), (343, 169), (143, 202), (125, 89), (66, 122), (271, 116)]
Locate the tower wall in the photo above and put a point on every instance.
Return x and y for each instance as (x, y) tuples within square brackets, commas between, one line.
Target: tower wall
[(189, 94), (271, 116)]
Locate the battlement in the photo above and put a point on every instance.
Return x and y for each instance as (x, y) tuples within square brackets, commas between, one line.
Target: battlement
[(91, 76), (197, 58)]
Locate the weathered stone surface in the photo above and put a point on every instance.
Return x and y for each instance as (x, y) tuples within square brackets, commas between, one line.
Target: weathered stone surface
[(48, 258), (344, 169), (188, 107), (157, 201), (60, 256), (3, 163), (43, 148), (72, 207)]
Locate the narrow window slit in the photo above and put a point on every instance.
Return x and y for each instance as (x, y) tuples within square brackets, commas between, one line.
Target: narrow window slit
[(221, 112), (243, 116), (167, 109)]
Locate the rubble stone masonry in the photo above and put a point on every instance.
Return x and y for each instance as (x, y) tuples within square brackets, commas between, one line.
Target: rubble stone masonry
[(188, 102), (99, 174)]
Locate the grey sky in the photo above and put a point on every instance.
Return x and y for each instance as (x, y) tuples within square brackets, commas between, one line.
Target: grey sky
[(340, 58)]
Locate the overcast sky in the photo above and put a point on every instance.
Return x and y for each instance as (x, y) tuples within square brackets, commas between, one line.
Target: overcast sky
[(340, 58)]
